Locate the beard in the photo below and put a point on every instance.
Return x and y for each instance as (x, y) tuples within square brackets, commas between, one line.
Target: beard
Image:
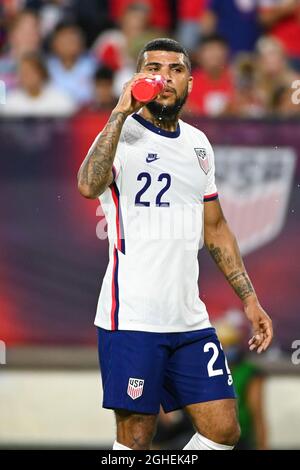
[(170, 112)]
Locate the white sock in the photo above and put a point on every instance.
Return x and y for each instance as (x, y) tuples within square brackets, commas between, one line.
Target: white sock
[(199, 442), (118, 446)]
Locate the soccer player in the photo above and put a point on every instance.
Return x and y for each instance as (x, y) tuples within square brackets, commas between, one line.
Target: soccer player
[(154, 176)]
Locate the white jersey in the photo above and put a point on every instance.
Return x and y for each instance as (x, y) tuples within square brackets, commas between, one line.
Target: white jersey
[(154, 213)]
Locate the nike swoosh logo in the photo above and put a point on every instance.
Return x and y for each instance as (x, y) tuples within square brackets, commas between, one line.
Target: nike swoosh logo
[(151, 159)]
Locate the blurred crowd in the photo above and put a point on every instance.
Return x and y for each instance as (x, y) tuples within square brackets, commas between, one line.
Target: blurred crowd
[(61, 57)]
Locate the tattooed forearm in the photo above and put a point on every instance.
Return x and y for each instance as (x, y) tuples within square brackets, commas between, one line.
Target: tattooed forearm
[(230, 263), (241, 284), (223, 256), (95, 172)]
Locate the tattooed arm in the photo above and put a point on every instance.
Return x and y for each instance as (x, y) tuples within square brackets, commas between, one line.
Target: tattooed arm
[(95, 173), (222, 245)]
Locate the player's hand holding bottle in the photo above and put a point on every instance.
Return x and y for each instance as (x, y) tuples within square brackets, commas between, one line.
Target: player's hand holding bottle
[(127, 104)]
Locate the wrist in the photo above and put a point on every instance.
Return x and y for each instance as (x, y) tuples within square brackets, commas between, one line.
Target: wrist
[(251, 300), (121, 112)]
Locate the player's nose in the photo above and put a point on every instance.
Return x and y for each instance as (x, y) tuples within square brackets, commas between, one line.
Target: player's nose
[(166, 73)]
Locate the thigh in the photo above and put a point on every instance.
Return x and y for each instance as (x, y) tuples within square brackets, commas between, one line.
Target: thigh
[(132, 367), (213, 418), (197, 371)]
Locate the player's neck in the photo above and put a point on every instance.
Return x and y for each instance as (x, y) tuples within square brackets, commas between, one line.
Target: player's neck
[(169, 124)]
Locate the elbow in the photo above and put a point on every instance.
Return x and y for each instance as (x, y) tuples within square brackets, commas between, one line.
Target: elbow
[(91, 191), (215, 232), (86, 191)]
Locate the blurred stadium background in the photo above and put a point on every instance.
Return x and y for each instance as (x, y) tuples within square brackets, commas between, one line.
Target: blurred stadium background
[(62, 66)]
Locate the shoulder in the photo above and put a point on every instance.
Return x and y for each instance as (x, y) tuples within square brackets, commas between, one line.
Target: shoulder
[(194, 132), (132, 132)]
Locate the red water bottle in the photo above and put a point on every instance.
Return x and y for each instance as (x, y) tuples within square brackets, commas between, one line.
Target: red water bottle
[(146, 89)]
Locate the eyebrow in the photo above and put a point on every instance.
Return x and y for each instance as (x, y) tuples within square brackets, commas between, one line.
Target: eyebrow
[(171, 65)]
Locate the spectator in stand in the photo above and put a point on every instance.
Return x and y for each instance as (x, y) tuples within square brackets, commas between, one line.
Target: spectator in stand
[(117, 49), (36, 97), (213, 81), (23, 37), (93, 16), (9, 8), (248, 100), (71, 69), (236, 20), (160, 11), (113, 47), (273, 70), (281, 19), (103, 97), (190, 14), (51, 12)]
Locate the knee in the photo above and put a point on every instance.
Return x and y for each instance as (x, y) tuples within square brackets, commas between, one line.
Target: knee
[(136, 433), (228, 435), (140, 438)]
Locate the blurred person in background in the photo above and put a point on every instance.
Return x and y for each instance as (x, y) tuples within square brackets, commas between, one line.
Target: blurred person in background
[(188, 29), (273, 70), (11, 7), (51, 12), (70, 67), (36, 96), (247, 100), (281, 19), (92, 16), (23, 37), (104, 98), (118, 48), (213, 80), (248, 380), (162, 12), (112, 48), (236, 20)]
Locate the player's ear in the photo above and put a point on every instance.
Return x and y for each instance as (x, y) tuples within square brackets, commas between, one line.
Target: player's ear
[(190, 84)]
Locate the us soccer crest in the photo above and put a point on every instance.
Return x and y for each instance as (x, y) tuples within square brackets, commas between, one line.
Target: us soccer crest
[(202, 159), (254, 185), (135, 388)]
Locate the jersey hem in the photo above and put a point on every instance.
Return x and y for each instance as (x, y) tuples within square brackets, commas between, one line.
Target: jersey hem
[(155, 328)]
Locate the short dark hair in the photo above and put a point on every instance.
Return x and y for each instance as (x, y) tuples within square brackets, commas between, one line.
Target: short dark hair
[(163, 44), (104, 73), (66, 24)]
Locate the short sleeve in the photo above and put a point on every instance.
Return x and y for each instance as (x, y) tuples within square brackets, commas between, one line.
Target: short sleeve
[(211, 191)]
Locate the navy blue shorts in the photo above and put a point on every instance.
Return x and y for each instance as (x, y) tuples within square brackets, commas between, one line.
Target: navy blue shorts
[(141, 371)]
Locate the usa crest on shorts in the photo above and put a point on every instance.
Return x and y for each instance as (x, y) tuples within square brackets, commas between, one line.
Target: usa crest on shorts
[(135, 388), (202, 159)]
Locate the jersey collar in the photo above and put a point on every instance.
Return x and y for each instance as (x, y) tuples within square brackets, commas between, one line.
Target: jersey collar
[(157, 130)]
